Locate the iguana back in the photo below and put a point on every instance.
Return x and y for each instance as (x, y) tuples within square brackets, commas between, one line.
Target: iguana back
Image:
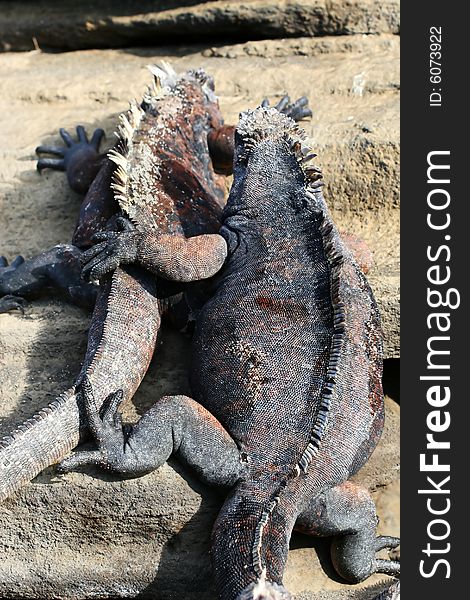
[(288, 352), (163, 164)]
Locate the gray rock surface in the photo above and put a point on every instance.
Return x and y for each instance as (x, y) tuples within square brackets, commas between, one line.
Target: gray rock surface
[(74, 24)]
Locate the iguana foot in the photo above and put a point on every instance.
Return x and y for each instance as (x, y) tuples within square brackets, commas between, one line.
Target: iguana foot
[(297, 110), (347, 513), (107, 430), (9, 301), (56, 269), (81, 159), (173, 424), (112, 249), (66, 153)]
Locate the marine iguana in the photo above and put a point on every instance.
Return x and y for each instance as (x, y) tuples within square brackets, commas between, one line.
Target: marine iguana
[(184, 144), (286, 371)]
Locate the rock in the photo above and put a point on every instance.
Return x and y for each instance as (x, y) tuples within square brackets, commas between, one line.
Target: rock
[(109, 23), (89, 535)]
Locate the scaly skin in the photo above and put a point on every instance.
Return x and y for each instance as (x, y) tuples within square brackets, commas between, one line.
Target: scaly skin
[(188, 197), (119, 355), (286, 374)]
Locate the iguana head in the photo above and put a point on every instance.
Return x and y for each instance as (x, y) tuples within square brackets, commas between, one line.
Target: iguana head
[(272, 165)]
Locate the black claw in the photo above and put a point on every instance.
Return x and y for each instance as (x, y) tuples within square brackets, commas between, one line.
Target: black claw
[(386, 541), (96, 138), (65, 135), (109, 411), (265, 103), (283, 102), (50, 150), (3, 262), (19, 260), (388, 567), (81, 134), (9, 302), (50, 163)]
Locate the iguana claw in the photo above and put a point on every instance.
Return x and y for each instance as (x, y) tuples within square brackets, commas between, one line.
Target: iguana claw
[(297, 110), (112, 249), (106, 428), (71, 150)]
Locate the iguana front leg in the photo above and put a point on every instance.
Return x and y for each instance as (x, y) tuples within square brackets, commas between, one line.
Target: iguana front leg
[(58, 269), (81, 159), (174, 425), (167, 255)]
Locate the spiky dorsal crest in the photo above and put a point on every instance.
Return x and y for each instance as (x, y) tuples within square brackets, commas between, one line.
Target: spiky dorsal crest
[(166, 80), (129, 152), (267, 123), (129, 122)]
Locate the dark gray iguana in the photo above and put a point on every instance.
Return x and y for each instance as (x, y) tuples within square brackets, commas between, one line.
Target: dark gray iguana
[(286, 371), (185, 145)]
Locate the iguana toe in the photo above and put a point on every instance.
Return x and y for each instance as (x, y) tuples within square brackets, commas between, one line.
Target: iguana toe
[(297, 110), (80, 459), (388, 567), (50, 163), (386, 541), (115, 248), (72, 150), (9, 302)]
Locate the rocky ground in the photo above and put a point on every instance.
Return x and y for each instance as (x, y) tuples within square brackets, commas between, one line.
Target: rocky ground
[(84, 535)]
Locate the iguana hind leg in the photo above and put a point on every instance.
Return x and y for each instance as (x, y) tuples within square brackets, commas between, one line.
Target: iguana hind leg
[(347, 513), (174, 425)]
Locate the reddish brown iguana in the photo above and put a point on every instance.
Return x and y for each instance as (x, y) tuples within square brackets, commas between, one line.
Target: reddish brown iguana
[(287, 364)]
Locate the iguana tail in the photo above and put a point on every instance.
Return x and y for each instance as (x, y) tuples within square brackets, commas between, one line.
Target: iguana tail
[(117, 357), (250, 541)]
